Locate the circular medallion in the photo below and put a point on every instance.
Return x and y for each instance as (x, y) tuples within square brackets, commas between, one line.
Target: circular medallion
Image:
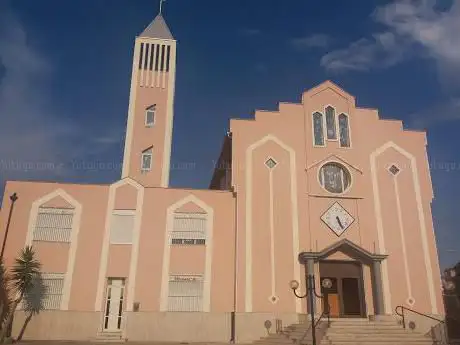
[(326, 283)]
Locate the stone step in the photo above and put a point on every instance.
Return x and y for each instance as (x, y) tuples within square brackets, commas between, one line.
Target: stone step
[(371, 342), (370, 327), (389, 340), (369, 331), (375, 336)]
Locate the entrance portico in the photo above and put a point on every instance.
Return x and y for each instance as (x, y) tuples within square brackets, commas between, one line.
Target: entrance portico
[(344, 264)]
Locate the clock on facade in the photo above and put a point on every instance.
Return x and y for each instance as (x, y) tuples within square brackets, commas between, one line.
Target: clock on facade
[(337, 219)]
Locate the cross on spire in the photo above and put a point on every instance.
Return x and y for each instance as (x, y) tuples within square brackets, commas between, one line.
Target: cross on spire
[(161, 7)]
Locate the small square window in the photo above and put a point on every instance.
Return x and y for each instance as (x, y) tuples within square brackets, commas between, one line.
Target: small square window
[(146, 160), (394, 170), (271, 163)]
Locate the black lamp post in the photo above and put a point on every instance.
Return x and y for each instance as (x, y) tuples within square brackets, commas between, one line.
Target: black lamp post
[(310, 293), (13, 198)]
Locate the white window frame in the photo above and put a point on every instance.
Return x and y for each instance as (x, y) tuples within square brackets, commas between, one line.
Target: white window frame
[(323, 129), (339, 132), (152, 109), (148, 152), (335, 119)]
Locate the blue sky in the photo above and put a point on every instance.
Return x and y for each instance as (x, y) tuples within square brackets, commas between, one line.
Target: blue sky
[(65, 70)]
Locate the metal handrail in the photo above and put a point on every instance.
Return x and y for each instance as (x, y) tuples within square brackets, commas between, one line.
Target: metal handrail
[(326, 312), (413, 311)]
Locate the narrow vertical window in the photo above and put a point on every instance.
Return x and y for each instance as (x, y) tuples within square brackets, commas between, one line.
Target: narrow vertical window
[(163, 51), (157, 57), (140, 55), (150, 116), (330, 123), (152, 57), (146, 164), (168, 56), (318, 129), (146, 57), (344, 131)]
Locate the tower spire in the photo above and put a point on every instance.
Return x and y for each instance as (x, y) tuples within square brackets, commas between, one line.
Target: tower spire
[(161, 7)]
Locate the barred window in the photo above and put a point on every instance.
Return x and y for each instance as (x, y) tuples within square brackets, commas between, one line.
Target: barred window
[(121, 228), (53, 285), (185, 293), (189, 229), (53, 225)]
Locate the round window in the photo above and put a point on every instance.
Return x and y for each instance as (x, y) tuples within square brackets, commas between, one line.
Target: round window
[(334, 177)]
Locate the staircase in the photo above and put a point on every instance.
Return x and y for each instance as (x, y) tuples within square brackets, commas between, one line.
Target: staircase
[(365, 332), (348, 332)]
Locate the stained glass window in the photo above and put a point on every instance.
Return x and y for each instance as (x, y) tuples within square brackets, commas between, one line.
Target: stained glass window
[(330, 123), (344, 131), (318, 129), (334, 178)]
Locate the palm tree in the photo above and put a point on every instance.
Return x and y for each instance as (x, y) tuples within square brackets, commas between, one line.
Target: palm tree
[(23, 275), (34, 302), (4, 293)]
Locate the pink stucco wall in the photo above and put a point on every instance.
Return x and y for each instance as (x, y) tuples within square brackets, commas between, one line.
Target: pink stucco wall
[(271, 206)]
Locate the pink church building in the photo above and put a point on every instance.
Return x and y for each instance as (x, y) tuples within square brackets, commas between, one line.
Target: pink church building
[(321, 186)]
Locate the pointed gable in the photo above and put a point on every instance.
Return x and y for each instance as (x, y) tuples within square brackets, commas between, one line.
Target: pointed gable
[(158, 29)]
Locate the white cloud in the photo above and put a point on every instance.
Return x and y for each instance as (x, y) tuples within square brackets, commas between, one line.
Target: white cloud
[(312, 41), (36, 141), (412, 28)]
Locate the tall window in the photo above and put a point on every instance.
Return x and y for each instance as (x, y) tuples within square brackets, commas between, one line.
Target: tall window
[(185, 293), (189, 229), (318, 129), (150, 116), (53, 225), (330, 123), (146, 164), (344, 131)]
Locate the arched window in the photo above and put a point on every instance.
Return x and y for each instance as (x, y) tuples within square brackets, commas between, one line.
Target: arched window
[(330, 123), (344, 131), (150, 116), (146, 163), (318, 129)]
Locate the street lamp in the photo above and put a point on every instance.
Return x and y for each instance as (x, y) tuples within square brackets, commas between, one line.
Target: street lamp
[(13, 198), (310, 293)]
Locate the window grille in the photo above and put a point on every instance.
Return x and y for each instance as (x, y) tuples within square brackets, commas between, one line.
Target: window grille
[(185, 293), (189, 229), (53, 225), (53, 285)]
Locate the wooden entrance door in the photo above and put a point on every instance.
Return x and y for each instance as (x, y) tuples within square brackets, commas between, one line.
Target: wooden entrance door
[(331, 297), (351, 297)]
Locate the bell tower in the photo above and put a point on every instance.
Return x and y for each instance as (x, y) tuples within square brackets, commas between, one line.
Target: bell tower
[(149, 127)]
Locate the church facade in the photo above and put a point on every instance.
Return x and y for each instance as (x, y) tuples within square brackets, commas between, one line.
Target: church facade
[(321, 187)]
